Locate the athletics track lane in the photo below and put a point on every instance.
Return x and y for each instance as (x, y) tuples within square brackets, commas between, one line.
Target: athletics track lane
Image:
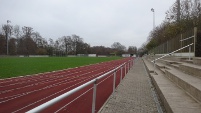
[(24, 93)]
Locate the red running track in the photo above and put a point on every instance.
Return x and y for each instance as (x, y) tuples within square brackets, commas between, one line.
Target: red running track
[(22, 94)]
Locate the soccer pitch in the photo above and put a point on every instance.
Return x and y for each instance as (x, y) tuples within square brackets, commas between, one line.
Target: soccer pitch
[(16, 66)]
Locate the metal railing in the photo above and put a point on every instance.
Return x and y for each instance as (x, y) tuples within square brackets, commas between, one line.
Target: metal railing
[(127, 65), (154, 61), (187, 38)]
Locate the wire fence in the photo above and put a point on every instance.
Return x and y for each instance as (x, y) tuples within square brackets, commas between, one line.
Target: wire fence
[(176, 43)]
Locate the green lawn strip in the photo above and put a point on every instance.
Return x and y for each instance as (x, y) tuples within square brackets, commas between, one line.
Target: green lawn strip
[(15, 66)]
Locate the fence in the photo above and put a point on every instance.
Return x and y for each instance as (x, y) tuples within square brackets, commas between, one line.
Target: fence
[(176, 43), (88, 97)]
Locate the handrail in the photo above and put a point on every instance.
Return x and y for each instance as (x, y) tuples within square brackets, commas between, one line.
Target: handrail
[(186, 38), (154, 61), (57, 99), (172, 52)]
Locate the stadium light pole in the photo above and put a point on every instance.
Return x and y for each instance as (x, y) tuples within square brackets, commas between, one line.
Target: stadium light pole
[(7, 32), (152, 9)]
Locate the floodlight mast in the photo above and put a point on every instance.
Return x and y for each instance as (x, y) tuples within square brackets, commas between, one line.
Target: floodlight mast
[(152, 9), (7, 33)]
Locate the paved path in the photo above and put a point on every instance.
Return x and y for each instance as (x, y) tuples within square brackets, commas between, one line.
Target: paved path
[(133, 95)]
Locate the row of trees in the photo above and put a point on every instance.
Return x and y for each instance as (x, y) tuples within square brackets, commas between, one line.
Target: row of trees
[(25, 41), (182, 16)]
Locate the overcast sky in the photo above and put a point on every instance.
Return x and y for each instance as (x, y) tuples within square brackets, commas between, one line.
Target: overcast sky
[(98, 22)]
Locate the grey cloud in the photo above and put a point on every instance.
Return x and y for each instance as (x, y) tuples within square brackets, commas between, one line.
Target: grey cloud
[(98, 22)]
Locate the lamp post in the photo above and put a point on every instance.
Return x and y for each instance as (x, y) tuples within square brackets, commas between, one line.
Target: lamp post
[(152, 9)]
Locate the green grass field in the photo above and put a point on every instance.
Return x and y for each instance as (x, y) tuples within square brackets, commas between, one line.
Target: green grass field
[(15, 66)]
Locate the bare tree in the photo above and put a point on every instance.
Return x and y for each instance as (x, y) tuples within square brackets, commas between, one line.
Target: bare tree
[(17, 34), (2, 45), (12, 46), (7, 31), (27, 31), (77, 44), (132, 49), (101, 50), (66, 44), (39, 40), (26, 43), (118, 48)]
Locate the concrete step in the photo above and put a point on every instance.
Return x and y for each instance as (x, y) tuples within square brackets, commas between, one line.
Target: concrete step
[(197, 60), (194, 60), (188, 68), (174, 99), (188, 61), (191, 69), (179, 59), (191, 84), (169, 62), (175, 66), (161, 67), (150, 67)]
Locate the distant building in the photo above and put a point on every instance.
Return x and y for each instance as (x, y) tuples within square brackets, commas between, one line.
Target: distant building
[(92, 55), (128, 55)]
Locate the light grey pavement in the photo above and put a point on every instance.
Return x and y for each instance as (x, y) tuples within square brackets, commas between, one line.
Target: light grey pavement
[(133, 95)]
